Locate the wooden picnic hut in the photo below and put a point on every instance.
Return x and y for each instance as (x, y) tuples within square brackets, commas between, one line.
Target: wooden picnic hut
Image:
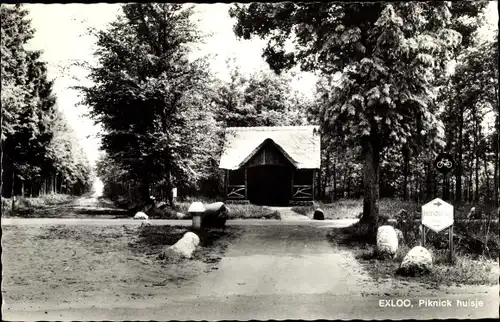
[(270, 165)]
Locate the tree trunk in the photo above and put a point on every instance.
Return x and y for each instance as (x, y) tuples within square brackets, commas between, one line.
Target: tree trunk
[(371, 155), (410, 188), (434, 188), (497, 161), (349, 183), (145, 189), (459, 169), (334, 180), (428, 181), (169, 189), (1, 167), (344, 181), (476, 153), (487, 196), (13, 178), (470, 186), (327, 173), (496, 177), (406, 167)]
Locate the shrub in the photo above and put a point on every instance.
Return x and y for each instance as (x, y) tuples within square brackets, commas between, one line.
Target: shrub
[(6, 207), (359, 233), (303, 210), (383, 219), (251, 212), (409, 226), (236, 211)]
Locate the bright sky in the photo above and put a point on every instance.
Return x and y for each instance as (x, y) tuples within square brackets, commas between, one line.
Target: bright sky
[(60, 33)]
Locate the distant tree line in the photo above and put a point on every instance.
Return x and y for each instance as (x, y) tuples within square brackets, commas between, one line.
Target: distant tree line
[(39, 152)]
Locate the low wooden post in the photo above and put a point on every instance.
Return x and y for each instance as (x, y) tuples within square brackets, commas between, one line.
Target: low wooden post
[(422, 227), (312, 183), (196, 209), (450, 236), (321, 192)]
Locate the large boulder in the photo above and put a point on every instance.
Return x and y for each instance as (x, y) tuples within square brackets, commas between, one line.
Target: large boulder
[(387, 242), (318, 214), (141, 215), (186, 245), (215, 215), (417, 262)]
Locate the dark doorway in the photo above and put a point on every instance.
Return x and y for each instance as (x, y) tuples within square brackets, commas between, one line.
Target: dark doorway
[(269, 185)]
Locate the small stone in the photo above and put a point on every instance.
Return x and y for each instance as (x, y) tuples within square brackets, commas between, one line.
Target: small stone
[(141, 215), (318, 214)]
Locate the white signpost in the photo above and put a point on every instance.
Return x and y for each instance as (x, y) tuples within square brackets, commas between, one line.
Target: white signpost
[(438, 215)]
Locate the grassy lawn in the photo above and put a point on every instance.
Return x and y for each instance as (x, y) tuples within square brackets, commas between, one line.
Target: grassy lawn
[(342, 209), (352, 208), (466, 270), (236, 211), (62, 264), (26, 205)]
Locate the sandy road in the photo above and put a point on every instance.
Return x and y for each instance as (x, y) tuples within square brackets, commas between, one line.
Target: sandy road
[(274, 271), (337, 223)]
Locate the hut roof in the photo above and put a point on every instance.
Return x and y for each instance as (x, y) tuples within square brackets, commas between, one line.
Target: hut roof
[(299, 144)]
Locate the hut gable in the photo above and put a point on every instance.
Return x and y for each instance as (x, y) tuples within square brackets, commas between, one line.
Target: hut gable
[(300, 145), (268, 153)]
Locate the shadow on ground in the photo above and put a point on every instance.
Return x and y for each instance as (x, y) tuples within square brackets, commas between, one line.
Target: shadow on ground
[(154, 239)]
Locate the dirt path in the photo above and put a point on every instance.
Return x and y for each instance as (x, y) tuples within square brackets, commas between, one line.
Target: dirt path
[(282, 261), (334, 223), (93, 199), (271, 272)]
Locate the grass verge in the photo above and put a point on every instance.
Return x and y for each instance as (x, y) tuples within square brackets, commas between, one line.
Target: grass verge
[(213, 241), (341, 209), (467, 268), (25, 206), (351, 208), (236, 211)]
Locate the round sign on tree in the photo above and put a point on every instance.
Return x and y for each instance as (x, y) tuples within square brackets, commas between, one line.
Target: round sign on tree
[(437, 215), (444, 163)]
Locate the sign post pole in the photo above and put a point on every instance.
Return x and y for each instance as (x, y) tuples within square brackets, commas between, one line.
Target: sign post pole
[(444, 186), (444, 164), (437, 216), (450, 236), (422, 228)]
